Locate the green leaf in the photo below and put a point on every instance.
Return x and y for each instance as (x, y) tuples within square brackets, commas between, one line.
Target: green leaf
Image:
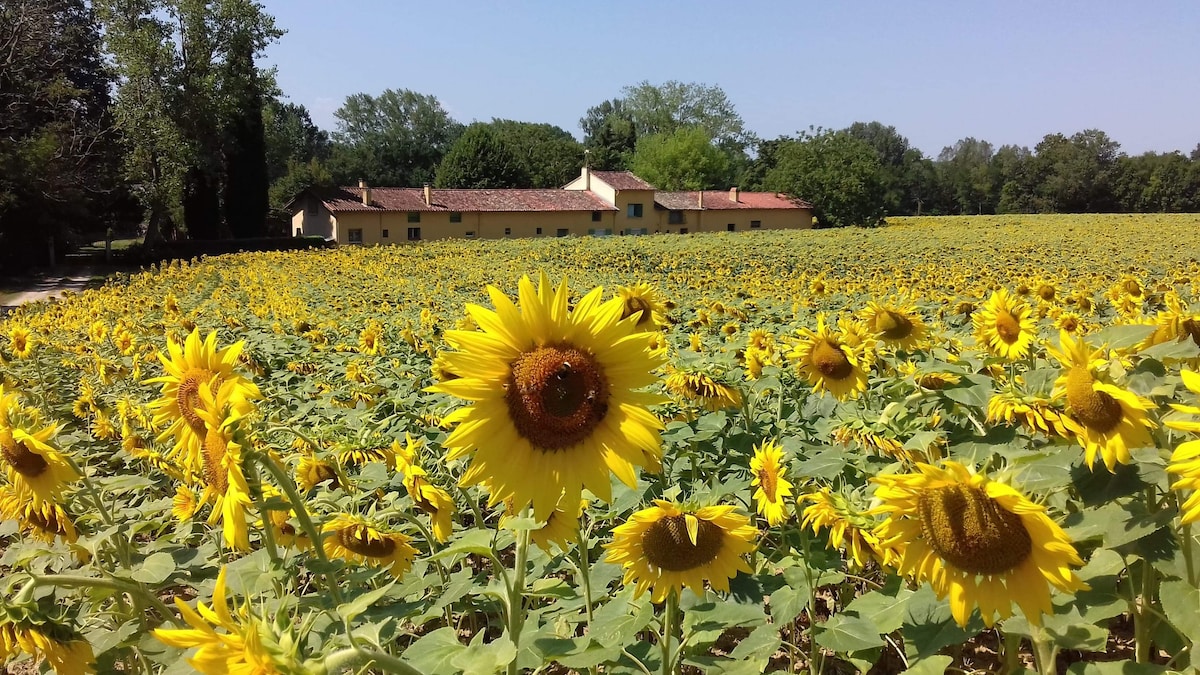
[(349, 610), (484, 659), (474, 542), (1116, 668), (1118, 337), (844, 632), (932, 665), (929, 626), (887, 611), (614, 624), (709, 617), (1181, 603), (433, 652), (155, 569), (826, 464)]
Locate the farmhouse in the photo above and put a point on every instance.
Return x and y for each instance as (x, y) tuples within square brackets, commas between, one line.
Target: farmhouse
[(595, 203)]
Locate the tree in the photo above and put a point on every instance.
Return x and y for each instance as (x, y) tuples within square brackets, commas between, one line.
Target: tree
[(765, 159), (247, 180), (300, 176), (684, 159), (838, 173), (290, 137), (661, 109), (57, 154), (609, 136), (176, 64), (965, 168), (1012, 180), (397, 138), (481, 159), (1076, 174), (549, 155), (900, 162), (1153, 182)]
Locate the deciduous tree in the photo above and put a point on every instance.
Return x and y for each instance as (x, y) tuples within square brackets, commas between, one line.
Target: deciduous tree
[(838, 173), (684, 159)]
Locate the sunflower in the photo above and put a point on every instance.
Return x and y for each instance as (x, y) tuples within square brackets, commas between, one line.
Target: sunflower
[(351, 455), (828, 364), (1185, 460), (358, 540), (558, 530), (1036, 414), (1105, 419), (667, 547), (67, 652), (238, 648), (768, 468), (225, 485), (311, 471), (554, 407), (431, 499), (979, 541), (43, 521), (850, 529), (20, 343), (36, 469), (194, 366), (185, 503), (709, 391), (896, 324), (1004, 326), (642, 298)]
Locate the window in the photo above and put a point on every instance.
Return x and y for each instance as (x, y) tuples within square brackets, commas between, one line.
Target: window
[(385, 233), (455, 217), (634, 211), (414, 234), (414, 216), (595, 216), (507, 231), (539, 230), (730, 227), (675, 218), (756, 224), (354, 236), (562, 232), (470, 234), (683, 230), (299, 231)]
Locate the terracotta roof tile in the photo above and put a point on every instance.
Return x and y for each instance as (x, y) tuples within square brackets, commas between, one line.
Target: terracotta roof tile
[(413, 199), (719, 200), (622, 180)]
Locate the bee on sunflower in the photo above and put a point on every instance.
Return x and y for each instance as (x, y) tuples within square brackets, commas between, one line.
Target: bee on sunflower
[(556, 400), (668, 547), (768, 468), (1004, 326), (1106, 420), (828, 363), (977, 540)]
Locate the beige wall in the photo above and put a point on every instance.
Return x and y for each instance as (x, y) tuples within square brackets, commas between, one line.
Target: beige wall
[(484, 225), (649, 219), (312, 219), (598, 187), (718, 220)]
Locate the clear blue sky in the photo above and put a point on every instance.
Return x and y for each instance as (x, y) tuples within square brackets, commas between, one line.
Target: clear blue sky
[(1007, 72)]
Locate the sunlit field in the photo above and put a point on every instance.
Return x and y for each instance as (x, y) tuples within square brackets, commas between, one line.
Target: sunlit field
[(947, 445)]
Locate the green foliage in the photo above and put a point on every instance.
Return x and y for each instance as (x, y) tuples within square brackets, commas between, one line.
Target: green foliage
[(397, 138), (549, 155), (610, 136), (840, 174), (481, 158), (684, 159)]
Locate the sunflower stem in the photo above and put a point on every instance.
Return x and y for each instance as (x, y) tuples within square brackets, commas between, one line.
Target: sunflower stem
[(1012, 652), (342, 659), (581, 540), (1045, 653), (1188, 562), (669, 619), (516, 597), (1143, 615), (268, 532), (76, 581)]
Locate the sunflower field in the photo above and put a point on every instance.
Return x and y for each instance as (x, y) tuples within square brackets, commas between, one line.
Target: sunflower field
[(946, 445)]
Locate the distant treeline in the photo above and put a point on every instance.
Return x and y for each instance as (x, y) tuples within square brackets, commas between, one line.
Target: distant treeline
[(118, 114)]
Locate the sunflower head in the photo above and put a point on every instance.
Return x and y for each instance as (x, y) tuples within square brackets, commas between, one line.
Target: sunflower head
[(768, 470), (356, 539), (669, 547), (895, 324), (643, 300), (709, 390), (20, 342), (1036, 414), (26, 630), (1004, 326), (828, 364), (850, 527)]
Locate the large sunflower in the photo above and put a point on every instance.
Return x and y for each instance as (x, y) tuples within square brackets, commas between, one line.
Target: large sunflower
[(67, 652), (358, 540), (238, 648), (666, 548), (193, 366), (1104, 418), (979, 541), (1185, 461), (225, 485), (828, 364), (1004, 326), (555, 405), (774, 491), (896, 324), (36, 469)]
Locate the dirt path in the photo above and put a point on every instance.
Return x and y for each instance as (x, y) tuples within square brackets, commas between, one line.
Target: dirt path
[(19, 292)]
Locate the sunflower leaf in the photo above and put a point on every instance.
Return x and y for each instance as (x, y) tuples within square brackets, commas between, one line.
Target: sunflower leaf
[(349, 610), (155, 569), (845, 632)]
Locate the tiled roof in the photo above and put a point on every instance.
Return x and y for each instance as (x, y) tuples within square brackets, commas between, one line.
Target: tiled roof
[(719, 199), (413, 199), (622, 180)]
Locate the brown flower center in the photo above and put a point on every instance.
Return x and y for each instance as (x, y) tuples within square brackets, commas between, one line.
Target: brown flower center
[(556, 395), (1132, 287), (1192, 327), (1046, 292), (893, 325), (831, 361), (1007, 326), (667, 545), (635, 304), (362, 541), (972, 531), (23, 460), (768, 481), (213, 455), (1096, 410), (188, 397)]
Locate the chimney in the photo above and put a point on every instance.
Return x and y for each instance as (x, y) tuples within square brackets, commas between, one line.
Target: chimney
[(733, 194), (587, 177), (701, 193), (428, 195), (366, 192)]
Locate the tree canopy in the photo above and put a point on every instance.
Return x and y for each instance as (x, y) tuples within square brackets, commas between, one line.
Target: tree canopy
[(481, 158), (840, 174), (684, 159)]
